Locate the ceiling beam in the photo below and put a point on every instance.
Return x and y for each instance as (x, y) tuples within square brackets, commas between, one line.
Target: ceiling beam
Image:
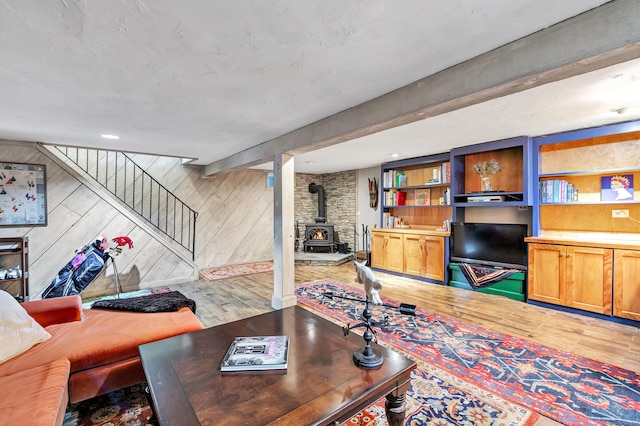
[(599, 38)]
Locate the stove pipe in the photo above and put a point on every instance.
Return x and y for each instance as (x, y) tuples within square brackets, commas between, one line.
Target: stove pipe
[(313, 188)]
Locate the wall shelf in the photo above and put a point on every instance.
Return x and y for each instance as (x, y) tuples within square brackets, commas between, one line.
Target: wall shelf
[(14, 252), (512, 184), (408, 195)]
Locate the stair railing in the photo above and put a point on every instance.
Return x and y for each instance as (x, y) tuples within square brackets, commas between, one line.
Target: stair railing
[(142, 193)]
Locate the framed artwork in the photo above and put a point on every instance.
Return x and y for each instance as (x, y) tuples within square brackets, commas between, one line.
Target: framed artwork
[(616, 188), (422, 197), (23, 194)]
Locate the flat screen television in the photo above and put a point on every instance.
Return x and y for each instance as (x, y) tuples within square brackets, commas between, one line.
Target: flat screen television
[(494, 244)]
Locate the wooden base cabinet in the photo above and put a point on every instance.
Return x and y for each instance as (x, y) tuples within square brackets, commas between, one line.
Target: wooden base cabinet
[(572, 276), (424, 256), (387, 251), (411, 253), (626, 297)]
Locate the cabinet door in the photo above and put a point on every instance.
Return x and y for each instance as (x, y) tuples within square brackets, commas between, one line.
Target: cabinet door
[(547, 273), (394, 253), (626, 300), (589, 279), (378, 249), (433, 249), (413, 254)]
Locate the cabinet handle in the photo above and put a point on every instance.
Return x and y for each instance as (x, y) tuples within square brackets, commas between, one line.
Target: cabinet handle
[(568, 255), (561, 254)]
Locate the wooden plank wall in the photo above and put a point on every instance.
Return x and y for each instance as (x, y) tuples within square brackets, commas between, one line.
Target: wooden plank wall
[(234, 226)]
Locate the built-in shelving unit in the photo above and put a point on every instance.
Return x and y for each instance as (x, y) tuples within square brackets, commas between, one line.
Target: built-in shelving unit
[(586, 235), (415, 204)]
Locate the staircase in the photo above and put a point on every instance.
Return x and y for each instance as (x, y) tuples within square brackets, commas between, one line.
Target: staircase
[(140, 192)]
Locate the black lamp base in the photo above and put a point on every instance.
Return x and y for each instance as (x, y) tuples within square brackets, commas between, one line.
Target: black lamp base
[(368, 357)]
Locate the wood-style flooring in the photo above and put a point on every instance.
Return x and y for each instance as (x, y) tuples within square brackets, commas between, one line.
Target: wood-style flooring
[(227, 300)]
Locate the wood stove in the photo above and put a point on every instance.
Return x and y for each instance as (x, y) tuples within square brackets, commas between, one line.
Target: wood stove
[(318, 235)]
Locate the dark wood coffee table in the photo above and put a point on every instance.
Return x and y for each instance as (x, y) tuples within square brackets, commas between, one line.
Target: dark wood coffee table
[(320, 386)]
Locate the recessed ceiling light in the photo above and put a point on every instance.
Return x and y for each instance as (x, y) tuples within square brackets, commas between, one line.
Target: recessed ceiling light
[(108, 136), (395, 155)]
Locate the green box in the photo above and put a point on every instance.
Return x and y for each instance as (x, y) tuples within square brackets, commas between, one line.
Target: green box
[(512, 287)]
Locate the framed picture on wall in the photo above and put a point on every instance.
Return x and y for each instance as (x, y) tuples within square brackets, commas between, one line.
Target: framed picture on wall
[(422, 197), (23, 194)]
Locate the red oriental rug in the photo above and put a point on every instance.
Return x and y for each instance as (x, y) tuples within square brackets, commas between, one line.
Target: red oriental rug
[(235, 271), (560, 385)]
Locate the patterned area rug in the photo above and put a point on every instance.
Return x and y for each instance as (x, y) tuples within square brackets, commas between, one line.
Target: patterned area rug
[(125, 407), (234, 271), (565, 387)]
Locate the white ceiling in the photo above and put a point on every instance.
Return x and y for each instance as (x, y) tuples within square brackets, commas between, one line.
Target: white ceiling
[(206, 79)]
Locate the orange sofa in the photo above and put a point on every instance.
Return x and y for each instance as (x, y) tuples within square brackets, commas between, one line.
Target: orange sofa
[(90, 352)]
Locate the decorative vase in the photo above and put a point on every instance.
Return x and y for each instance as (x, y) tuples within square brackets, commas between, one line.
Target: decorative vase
[(486, 184)]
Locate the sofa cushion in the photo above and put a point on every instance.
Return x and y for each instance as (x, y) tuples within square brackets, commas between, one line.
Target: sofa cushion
[(54, 311), (18, 331), (36, 396), (103, 337)]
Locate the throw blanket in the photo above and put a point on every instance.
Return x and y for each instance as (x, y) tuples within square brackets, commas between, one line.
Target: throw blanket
[(483, 276), (161, 302)]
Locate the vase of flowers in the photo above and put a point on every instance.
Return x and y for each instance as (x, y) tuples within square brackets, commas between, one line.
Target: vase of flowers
[(486, 169)]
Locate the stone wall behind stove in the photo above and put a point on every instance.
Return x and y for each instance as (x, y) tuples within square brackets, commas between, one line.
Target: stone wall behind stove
[(340, 193)]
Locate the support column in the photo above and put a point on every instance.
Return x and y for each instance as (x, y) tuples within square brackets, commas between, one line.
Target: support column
[(283, 228)]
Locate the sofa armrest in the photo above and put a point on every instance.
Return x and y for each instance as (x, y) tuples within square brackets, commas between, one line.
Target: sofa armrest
[(56, 310)]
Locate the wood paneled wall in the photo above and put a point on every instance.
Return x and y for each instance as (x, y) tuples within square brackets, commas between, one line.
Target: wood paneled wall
[(235, 223)]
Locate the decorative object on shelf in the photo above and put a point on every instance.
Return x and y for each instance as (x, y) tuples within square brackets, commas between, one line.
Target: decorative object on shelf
[(616, 188), (373, 193), (422, 197), (486, 169), (486, 184)]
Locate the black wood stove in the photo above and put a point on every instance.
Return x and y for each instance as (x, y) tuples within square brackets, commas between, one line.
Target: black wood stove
[(319, 234)]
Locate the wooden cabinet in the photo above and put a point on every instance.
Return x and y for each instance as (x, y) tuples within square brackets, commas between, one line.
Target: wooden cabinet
[(626, 284), (572, 276), (416, 253), (424, 256), (387, 251), (416, 192), (14, 266)]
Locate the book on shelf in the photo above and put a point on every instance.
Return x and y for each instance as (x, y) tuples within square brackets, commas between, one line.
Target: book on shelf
[(401, 198), (557, 191), (393, 197), (394, 178), (257, 353), (445, 172)]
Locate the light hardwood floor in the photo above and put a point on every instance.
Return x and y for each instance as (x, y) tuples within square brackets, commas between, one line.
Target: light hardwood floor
[(222, 301)]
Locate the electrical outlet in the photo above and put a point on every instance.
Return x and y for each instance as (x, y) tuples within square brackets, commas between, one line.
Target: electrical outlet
[(619, 214)]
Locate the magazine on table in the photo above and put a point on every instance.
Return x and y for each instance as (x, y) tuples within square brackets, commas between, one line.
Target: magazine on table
[(257, 353)]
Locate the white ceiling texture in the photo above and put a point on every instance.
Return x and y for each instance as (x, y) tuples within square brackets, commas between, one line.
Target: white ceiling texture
[(208, 79)]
